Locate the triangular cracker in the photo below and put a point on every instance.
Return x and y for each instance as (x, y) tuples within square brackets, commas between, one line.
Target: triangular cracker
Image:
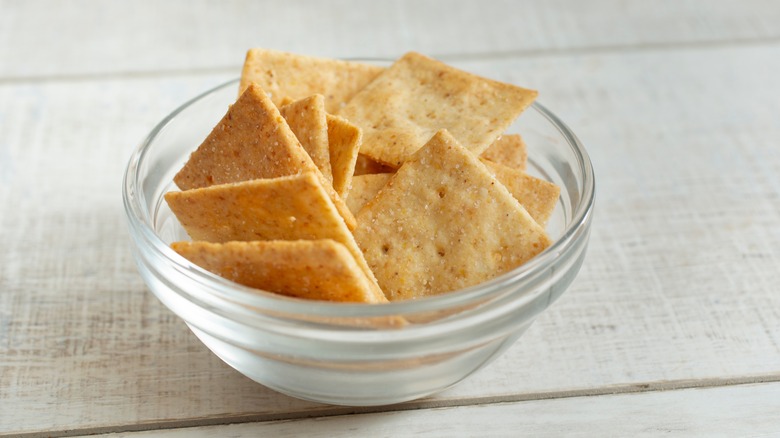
[(417, 96), (364, 189), (311, 269), (442, 223), (536, 195), (286, 208), (344, 140), (284, 74), (251, 141), (509, 150), (308, 121)]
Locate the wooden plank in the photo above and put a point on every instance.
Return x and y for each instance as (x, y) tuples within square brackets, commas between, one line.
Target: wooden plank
[(744, 410), (679, 285), (82, 37)]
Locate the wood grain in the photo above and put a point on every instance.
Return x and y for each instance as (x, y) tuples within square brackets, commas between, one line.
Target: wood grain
[(82, 38), (745, 411), (675, 101), (679, 285)]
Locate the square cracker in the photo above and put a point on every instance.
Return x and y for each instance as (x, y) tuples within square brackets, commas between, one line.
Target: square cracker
[(251, 141), (415, 97), (536, 195), (311, 269), (364, 189), (284, 74), (344, 141), (308, 120), (443, 223), (287, 208), (509, 150)]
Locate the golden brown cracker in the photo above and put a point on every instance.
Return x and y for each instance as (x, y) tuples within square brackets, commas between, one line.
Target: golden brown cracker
[(508, 150), (538, 196), (442, 223), (415, 97), (364, 189), (308, 121), (344, 141), (251, 141), (283, 74), (285, 208), (312, 269)]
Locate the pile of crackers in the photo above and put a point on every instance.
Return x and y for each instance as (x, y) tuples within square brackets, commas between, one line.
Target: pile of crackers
[(343, 181)]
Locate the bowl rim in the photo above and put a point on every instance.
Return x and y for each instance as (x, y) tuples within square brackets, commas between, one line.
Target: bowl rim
[(230, 297)]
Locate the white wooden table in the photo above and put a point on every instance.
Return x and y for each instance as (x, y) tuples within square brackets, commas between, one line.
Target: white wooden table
[(671, 328)]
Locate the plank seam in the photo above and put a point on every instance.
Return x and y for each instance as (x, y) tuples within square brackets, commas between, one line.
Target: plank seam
[(332, 411), (450, 57)]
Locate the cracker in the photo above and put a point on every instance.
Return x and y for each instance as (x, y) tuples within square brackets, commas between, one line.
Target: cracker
[(537, 196), (283, 74), (251, 141), (311, 269), (344, 140), (307, 119), (415, 97), (509, 150), (364, 189), (286, 208), (443, 223), (365, 166)]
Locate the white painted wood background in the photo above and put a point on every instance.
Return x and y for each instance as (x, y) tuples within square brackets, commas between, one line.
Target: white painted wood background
[(712, 412), (676, 101)]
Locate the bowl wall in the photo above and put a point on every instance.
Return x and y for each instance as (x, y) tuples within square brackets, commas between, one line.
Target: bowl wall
[(342, 353)]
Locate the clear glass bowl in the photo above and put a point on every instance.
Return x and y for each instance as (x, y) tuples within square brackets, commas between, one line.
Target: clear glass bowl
[(346, 354)]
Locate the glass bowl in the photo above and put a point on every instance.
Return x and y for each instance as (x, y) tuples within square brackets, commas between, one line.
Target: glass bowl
[(349, 354)]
